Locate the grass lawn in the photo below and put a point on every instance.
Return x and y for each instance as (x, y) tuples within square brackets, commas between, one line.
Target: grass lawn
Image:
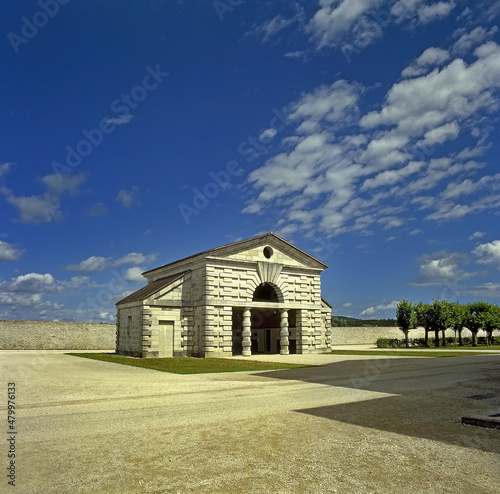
[(447, 351), (190, 365)]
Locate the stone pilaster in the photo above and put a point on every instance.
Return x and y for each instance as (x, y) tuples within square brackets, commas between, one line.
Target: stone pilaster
[(117, 333), (147, 333), (247, 334)]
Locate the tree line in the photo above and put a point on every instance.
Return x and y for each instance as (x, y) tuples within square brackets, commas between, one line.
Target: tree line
[(442, 315), (344, 321)]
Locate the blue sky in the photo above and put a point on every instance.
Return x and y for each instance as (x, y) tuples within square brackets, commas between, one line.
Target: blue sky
[(137, 133)]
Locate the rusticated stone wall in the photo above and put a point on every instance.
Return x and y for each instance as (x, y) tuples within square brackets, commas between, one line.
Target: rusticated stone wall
[(48, 335), (369, 335)]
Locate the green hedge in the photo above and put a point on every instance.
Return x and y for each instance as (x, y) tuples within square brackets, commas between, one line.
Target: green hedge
[(420, 342)]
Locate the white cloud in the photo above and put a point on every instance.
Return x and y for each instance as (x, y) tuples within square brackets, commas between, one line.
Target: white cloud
[(135, 258), (35, 209), (45, 208), (267, 135), (336, 103), (469, 40), (272, 27), (457, 91), (10, 252), (292, 172), (4, 168), (486, 290), (439, 135), (128, 198), (59, 184), (477, 235), (98, 263), (467, 186), (451, 211), (24, 301), (430, 58), (429, 13), (390, 222), (408, 9), (488, 254), (433, 57), (376, 309), (447, 210), (390, 177), (92, 263), (337, 169), (385, 150), (295, 54), (121, 120), (29, 296), (337, 20), (75, 282), (493, 10), (437, 171), (134, 274), (441, 268), (33, 283), (40, 285)]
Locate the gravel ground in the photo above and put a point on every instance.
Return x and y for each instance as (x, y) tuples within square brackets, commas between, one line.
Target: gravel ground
[(354, 425)]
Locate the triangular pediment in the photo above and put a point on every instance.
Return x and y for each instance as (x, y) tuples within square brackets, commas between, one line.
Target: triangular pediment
[(270, 249), (264, 248)]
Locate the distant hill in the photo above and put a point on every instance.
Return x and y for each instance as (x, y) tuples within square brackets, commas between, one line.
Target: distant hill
[(345, 321)]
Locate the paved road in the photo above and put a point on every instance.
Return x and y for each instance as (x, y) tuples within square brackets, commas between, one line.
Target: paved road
[(352, 425)]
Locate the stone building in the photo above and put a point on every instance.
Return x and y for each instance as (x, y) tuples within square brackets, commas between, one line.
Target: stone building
[(257, 295)]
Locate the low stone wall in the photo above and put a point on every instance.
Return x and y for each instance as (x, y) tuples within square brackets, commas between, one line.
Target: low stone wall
[(370, 335), (45, 335)]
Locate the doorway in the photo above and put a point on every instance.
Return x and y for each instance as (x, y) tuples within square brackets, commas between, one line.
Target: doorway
[(165, 339)]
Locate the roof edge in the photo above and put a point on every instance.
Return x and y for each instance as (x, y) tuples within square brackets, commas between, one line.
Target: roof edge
[(151, 288), (233, 244)]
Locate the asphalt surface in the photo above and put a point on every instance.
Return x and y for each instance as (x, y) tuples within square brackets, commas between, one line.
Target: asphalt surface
[(352, 425)]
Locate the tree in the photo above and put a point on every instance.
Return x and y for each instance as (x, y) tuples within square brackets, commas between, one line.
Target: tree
[(424, 318), (442, 318), (475, 318), (491, 322), (405, 315), (458, 320)]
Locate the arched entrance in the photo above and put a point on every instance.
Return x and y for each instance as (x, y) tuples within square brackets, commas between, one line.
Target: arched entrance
[(264, 330), (265, 292)]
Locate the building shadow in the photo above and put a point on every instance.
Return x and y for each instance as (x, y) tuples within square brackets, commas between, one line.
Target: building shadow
[(429, 396)]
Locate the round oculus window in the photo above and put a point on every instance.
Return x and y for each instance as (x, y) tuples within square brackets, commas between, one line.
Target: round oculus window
[(268, 252)]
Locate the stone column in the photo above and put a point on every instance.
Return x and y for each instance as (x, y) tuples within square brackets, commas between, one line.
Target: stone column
[(284, 332), (247, 333)]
